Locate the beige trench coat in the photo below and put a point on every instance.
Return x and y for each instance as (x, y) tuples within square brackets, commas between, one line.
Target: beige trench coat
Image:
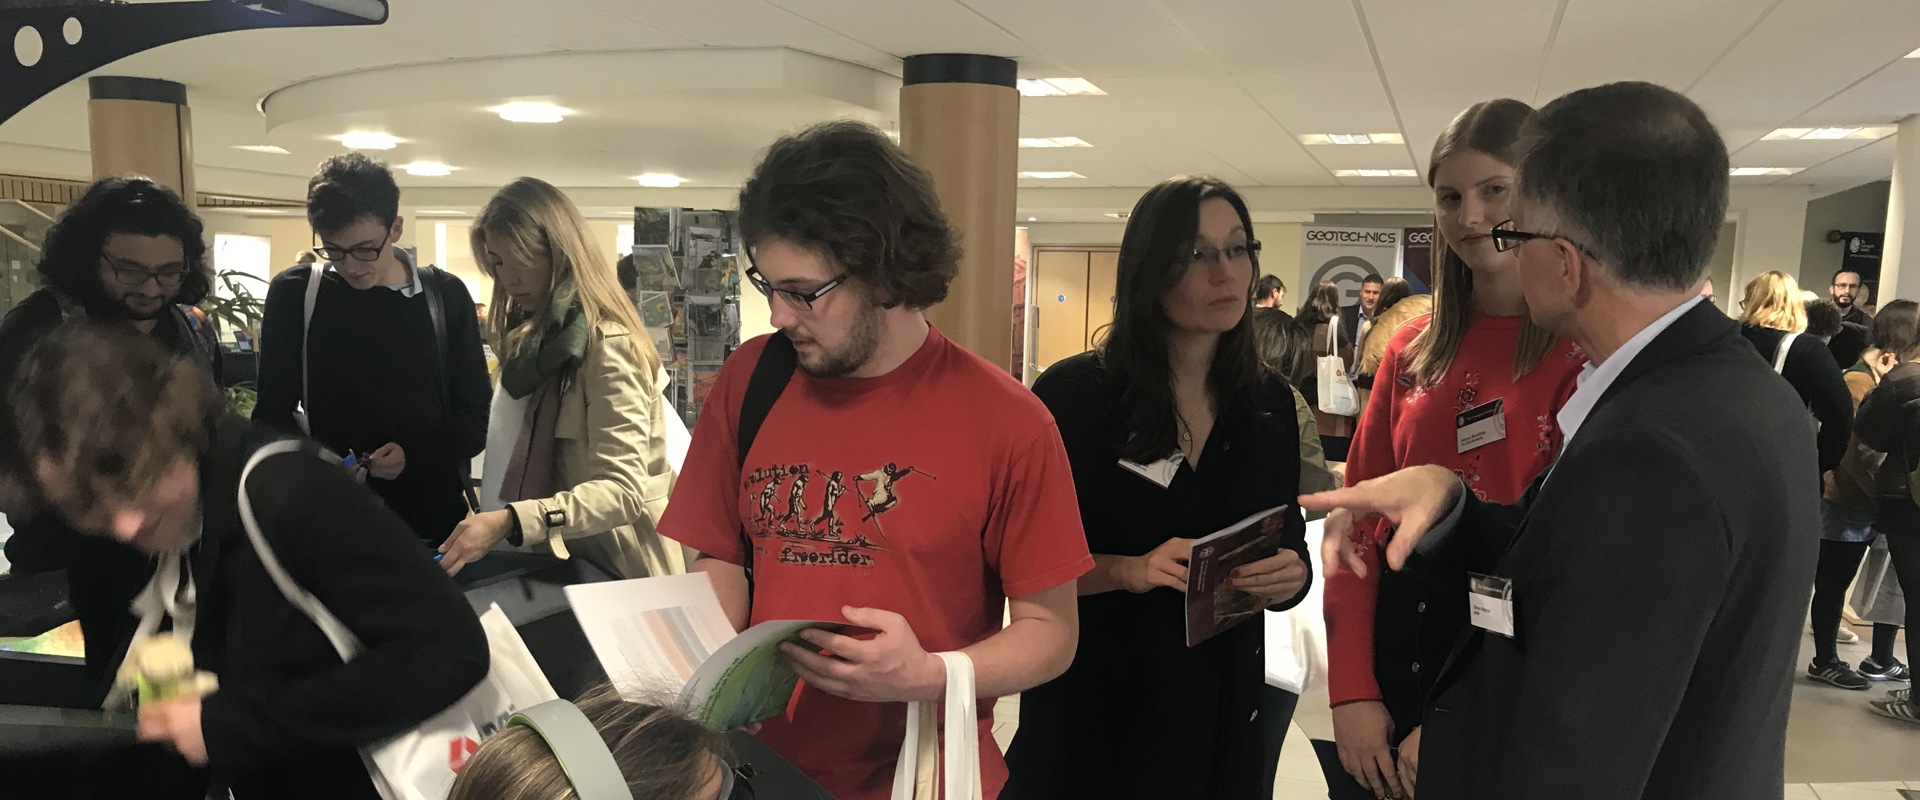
[(612, 455)]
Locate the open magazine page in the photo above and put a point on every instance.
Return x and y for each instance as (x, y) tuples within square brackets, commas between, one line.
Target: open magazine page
[(656, 635), (1212, 606)]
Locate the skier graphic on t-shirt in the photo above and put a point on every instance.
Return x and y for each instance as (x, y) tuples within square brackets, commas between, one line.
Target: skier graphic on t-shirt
[(884, 498)]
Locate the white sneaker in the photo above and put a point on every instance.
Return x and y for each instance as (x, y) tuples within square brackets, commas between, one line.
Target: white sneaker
[(1847, 636)]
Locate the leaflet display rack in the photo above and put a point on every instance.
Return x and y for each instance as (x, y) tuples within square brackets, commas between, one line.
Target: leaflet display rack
[(688, 292)]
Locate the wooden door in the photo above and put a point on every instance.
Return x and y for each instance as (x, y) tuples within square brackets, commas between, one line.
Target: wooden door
[(1060, 306), (1103, 275)]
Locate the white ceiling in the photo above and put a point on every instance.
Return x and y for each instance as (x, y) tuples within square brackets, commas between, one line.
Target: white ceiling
[(1195, 86)]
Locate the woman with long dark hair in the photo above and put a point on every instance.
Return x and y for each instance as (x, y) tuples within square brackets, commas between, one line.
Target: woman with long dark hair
[(1320, 316), (1479, 352), (1174, 431)]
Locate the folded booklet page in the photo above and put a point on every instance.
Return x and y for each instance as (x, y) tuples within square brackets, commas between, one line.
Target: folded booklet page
[(660, 635), (1212, 605)]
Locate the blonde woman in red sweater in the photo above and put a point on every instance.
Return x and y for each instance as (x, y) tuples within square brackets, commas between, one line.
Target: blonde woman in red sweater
[(1474, 387)]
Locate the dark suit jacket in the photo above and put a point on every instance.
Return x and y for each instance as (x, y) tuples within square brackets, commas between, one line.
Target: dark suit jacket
[(1661, 570)]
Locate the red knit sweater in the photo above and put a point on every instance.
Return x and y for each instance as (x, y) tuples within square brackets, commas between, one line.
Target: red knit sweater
[(1407, 425)]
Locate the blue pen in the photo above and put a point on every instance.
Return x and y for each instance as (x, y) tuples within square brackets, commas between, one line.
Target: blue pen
[(438, 556)]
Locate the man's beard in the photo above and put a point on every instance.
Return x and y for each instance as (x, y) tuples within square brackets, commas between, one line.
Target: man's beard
[(138, 315), (862, 342), (1844, 304)]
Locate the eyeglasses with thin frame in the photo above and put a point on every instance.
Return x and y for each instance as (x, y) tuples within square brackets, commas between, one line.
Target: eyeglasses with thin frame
[(134, 276), (1235, 253), (801, 300), (338, 254), (736, 781), (1506, 237)]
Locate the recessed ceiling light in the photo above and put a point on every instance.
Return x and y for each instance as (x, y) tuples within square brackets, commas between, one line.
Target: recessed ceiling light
[(1870, 133), (1056, 87), (1915, 53), (1056, 141), (262, 148), (659, 180), (531, 112), (1375, 173), (1352, 138), (1755, 172), (363, 140), (1121, 214), (427, 169), (1051, 176)]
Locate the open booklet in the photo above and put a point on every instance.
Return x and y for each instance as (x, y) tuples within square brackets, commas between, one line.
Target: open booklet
[(669, 633), (1212, 605)]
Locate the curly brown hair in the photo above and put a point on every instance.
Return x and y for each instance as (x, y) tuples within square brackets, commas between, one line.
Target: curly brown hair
[(109, 407), (846, 189)]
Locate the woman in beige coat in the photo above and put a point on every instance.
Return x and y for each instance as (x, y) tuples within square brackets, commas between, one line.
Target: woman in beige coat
[(584, 472)]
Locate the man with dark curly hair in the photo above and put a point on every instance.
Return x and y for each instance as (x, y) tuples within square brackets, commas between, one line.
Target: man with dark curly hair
[(128, 251), (916, 489)]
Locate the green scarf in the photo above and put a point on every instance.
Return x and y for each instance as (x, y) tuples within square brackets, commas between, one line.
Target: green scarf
[(554, 350)]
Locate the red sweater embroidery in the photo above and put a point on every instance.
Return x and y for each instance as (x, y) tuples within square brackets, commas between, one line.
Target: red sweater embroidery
[(1407, 425)]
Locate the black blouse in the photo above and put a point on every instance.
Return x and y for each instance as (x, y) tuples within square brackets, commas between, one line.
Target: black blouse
[(1139, 714)]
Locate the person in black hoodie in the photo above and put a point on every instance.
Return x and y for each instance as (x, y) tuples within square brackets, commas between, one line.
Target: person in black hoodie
[(1889, 422), (132, 447)]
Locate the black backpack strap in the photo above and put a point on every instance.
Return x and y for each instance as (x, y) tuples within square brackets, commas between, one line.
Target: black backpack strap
[(770, 376), (443, 363)]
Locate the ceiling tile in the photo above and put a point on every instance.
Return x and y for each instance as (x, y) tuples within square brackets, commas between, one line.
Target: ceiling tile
[(1658, 41), (738, 23), (1801, 55), (1251, 37), (1325, 102), (1887, 96), (1024, 17)]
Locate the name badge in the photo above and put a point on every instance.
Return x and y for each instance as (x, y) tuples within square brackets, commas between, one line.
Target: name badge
[(1490, 601), (1481, 425), (1160, 472)]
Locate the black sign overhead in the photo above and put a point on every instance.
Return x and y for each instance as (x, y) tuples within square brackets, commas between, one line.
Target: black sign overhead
[(55, 42), (1860, 252)]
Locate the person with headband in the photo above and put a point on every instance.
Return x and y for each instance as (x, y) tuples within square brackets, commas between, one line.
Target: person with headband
[(600, 748)]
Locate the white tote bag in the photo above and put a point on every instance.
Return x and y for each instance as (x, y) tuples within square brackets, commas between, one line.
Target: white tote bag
[(419, 764), (1337, 395), (1296, 639), (916, 775)]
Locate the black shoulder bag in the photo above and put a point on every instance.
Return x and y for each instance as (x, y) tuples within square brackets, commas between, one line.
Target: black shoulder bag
[(770, 376)]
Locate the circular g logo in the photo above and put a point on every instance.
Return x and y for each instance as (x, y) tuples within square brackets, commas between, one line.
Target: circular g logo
[(1345, 272)]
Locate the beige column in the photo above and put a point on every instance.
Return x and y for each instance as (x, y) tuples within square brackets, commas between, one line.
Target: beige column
[(1901, 248), (142, 126), (960, 117)]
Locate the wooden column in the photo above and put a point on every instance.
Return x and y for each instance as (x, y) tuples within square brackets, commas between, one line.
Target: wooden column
[(960, 117), (142, 126)]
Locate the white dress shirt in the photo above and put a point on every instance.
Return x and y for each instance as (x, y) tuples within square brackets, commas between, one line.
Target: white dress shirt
[(1596, 378)]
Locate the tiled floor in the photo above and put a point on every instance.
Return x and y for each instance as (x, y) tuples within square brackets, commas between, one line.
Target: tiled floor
[(1836, 748)]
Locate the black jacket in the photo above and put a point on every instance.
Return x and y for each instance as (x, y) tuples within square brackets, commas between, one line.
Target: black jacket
[(1661, 570), (1886, 425), (1811, 371), (288, 716)]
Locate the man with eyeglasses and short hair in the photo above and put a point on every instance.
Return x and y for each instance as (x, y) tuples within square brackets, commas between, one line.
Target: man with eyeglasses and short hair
[(859, 466), (129, 250), (377, 359)]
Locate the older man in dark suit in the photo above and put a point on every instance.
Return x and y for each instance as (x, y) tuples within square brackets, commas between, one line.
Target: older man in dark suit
[(1637, 614)]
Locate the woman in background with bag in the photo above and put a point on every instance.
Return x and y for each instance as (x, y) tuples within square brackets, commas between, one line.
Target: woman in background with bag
[(1847, 536), (1773, 317), (1475, 388), (135, 447), (1174, 431), (577, 443), (1336, 401)]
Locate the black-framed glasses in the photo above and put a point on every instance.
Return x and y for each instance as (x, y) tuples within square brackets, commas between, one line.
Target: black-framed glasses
[(337, 254), (801, 300), (134, 276), (1506, 237), (736, 781), (1233, 253)]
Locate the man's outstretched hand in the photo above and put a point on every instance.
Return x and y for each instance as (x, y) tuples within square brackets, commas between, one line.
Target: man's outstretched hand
[(1412, 500)]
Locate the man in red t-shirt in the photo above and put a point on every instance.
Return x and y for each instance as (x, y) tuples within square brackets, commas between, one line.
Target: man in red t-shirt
[(899, 482)]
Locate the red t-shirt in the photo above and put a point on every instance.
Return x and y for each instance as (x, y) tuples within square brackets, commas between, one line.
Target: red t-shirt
[(935, 491), (1407, 425)]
